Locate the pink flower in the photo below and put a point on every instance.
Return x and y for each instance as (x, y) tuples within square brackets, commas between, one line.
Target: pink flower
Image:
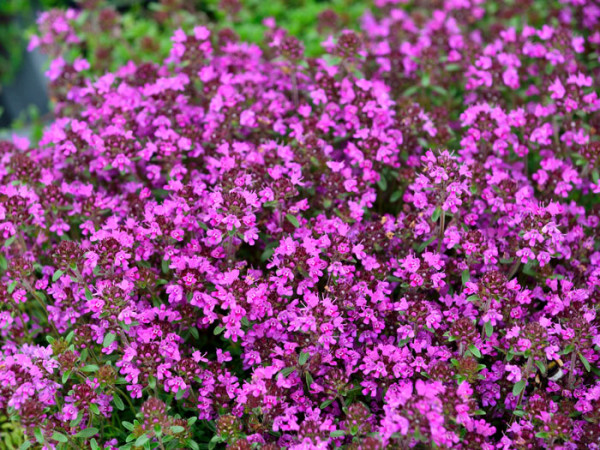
[(69, 412), (514, 373), (411, 264)]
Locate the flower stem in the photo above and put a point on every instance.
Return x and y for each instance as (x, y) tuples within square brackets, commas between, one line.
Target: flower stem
[(571, 380), (441, 230)]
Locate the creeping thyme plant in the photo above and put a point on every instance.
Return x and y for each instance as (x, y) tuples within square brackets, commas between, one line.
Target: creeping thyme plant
[(108, 36), (393, 245)]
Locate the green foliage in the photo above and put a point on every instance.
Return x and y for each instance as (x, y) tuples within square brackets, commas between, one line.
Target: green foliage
[(11, 434), (11, 43), (298, 17), (142, 31)]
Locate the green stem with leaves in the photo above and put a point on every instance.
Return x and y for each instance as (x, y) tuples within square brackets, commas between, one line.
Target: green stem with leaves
[(40, 301)]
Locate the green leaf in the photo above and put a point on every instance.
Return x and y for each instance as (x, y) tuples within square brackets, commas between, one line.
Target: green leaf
[(3, 263), (411, 90), (165, 265), (65, 376), (440, 90), (94, 408), (218, 330), (179, 394), (59, 437), (10, 240), (77, 419), (141, 440), (382, 182), (177, 429), (518, 388), (475, 351), (437, 212), (88, 293), (292, 219), (452, 67), (303, 358), (465, 276), (585, 362), (118, 402), (425, 244), (489, 329), (128, 425), (90, 368), (25, 445), (57, 275), (214, 441), (87, 433), (472, 298), (285, 372), (395, 196), (568, 349), (108, 339), (309, 379), (38, 435), (528, 269), (326, 403), (542, 434), (94, 444), (337, 433), (266, 254), (540, 365), (12, 286)]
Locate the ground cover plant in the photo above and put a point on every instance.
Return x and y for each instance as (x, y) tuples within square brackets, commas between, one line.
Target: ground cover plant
[(110, 33), (392, 245)]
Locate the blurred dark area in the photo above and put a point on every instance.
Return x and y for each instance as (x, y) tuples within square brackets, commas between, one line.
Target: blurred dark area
[(23, 86), (22, 81)]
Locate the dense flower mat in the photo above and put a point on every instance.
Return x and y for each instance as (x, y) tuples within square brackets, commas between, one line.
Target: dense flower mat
[(392, 246)]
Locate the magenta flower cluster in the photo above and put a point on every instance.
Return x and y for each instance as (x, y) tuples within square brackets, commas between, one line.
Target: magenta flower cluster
[(392, 246)]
